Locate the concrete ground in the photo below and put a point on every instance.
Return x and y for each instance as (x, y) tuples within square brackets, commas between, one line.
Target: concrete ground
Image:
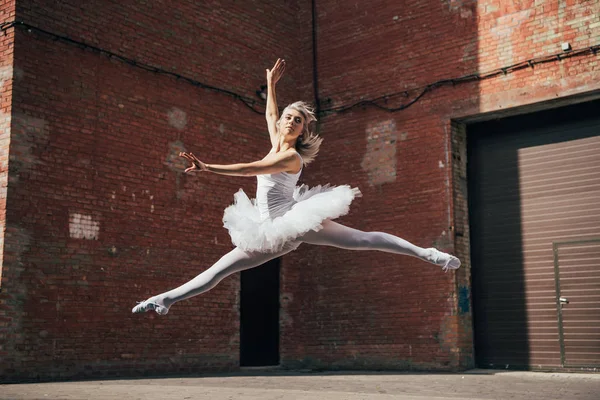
[(470, 385)]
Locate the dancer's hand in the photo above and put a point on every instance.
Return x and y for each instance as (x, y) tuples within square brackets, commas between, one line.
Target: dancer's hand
[(274, 74), (197, 165)]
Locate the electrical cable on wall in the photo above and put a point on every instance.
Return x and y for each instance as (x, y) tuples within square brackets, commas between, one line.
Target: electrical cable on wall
[(248, 101), (422, 90), (375, 102)]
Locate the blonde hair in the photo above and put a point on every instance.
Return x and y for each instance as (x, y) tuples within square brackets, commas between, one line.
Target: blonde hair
[(308, 142)]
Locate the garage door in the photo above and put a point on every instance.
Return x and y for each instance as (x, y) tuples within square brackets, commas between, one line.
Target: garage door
[(534, 213)]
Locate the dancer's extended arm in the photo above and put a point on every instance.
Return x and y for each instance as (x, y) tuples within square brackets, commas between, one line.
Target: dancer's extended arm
[(271, 110), (273, 163)]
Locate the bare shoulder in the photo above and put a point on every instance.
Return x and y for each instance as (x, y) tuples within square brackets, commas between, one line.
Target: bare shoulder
[(288, 159), (292, 153), (282, 155)]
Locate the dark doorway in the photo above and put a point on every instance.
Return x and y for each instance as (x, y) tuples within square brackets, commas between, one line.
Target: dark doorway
[(259, 315)]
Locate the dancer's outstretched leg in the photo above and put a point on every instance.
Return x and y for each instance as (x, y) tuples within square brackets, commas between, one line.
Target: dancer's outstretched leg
[(337, 235), (234, 261)]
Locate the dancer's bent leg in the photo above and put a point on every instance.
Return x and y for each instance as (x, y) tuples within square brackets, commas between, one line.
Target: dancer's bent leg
[(234, 261), (338, 235)]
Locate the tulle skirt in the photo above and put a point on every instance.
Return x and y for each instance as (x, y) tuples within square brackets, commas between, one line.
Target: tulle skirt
[(309, 207)]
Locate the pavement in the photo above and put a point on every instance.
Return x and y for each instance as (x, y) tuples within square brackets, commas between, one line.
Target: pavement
[(271, 385)]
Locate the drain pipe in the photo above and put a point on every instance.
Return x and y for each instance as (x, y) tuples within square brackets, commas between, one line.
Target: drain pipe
[(315, 69)]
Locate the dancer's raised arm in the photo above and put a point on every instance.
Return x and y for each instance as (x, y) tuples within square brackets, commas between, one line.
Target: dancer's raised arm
[(271, 111)]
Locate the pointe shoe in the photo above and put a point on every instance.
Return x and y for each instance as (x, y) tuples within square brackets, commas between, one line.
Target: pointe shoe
[(444, 260), (149, 305)]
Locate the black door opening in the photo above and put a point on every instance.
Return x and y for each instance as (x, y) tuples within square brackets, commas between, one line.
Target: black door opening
[(259, 315)]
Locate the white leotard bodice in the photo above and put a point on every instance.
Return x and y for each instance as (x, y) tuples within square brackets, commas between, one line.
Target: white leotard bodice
[(274, 192), (283, 211)]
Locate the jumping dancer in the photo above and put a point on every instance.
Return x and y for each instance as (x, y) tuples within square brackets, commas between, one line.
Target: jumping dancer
[(283, 216)]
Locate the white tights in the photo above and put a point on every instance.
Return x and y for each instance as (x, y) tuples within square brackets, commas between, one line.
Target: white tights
[(332, 234)]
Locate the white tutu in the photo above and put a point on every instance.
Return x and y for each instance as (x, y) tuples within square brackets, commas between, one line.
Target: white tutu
[(309, 209)]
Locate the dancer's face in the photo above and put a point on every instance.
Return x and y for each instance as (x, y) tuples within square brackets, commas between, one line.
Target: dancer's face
[(291, 123)]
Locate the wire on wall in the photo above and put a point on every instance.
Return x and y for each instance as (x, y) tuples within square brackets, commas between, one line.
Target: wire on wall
[(378, 102), (248, 101), (422, 90)]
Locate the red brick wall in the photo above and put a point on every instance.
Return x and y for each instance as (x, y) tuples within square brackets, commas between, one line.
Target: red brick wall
[(100, 214), (355, 310)]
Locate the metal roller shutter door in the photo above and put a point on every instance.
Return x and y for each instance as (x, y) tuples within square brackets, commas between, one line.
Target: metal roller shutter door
[(534, 210)]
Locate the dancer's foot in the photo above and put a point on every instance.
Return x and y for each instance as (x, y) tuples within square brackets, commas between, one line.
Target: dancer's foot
[(444, 260), (149, 305)]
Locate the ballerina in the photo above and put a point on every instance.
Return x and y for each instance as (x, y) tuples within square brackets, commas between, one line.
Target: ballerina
[(283, 216)]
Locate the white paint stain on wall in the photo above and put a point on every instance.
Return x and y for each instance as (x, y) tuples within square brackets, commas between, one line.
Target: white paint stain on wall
[(6, 73), (27, 134), (172, 160), (177, 118), (379, 160), (83, 227), (463, 7)]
